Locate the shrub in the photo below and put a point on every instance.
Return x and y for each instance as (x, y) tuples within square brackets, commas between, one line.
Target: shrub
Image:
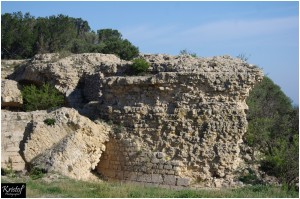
[(36, 173), (273, 130), (186, 52), (250, 178), (41, 98), (49, 121), (139, 66)]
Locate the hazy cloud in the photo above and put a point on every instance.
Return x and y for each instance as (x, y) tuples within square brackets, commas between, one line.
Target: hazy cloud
[(210, 32)]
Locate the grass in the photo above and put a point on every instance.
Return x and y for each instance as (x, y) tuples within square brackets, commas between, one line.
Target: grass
[(68, 188)]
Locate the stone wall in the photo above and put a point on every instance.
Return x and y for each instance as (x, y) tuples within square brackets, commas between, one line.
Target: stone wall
[(180, 125), (125, 160), (195, 118), (13, 129)]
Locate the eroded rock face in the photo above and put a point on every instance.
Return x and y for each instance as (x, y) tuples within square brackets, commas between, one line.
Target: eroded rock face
[(68, 74), (10, 94), (73, 146), (181, 124), (195, 116)]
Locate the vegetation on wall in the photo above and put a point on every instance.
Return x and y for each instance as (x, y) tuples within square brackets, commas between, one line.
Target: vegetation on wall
[(186, 52), (139, 66), (273, 129), (41, 98), (23, 36)]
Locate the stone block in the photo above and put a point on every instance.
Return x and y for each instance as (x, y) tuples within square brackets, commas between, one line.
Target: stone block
[(143, 177), (169, 180), (170, 172), (157, 178), (110, 173), (132, 176), (120, 175), (13, 149), (183, 182), (168, 167)]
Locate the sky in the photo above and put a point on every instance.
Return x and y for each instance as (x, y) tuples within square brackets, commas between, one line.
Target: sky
[(266, 32)]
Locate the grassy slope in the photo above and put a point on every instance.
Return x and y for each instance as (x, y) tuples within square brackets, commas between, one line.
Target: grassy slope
[(65, 187)]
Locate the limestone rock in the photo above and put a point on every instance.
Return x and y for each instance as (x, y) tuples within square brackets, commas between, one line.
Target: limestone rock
[(67, 74), (73, 146), (180, 124), (10, 94)]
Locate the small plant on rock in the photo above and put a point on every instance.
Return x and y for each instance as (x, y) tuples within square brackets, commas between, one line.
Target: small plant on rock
[(36, 173), (49, 121), (139, 66)]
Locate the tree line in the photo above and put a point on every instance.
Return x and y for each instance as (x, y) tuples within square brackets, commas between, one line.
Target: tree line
[(274, 130), (23, 36)]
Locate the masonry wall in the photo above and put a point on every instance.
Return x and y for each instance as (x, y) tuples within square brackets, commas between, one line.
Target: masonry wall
[(124, 160), (194, 121)]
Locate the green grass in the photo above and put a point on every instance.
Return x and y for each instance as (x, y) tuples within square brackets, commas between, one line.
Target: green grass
[(69, 188)]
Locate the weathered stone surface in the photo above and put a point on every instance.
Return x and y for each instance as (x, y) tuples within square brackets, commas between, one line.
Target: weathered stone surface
[(9, 66), (195, 114), (10, 94), (73, 146), (182, 123), (183, 182), (68, 74)]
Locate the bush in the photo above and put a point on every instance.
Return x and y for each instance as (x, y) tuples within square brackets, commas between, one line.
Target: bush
[(36, 173), (273, 130), (139, 66), (41, 98), (186, 52), (250, 178), (49, 121)]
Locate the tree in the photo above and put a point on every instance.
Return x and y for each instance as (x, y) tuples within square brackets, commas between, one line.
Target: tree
[(273, 130), (24, 36), (41, 98), (114, 44)]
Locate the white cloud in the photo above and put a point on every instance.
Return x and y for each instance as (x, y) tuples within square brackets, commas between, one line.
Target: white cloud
[(226, 30), (232, 29)]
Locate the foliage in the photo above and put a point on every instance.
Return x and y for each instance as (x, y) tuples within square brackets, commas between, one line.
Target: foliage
[(8, 171), (243, 57), (36, 173), (49, 121), (250, 178), (114, 44), (139, 66), (41, 98), (273, 130), (68, 188), (24, 36), (186, 52)]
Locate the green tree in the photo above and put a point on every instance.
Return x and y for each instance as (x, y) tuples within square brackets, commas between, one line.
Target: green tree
[(114, 44), (41, 98), (24, 36), (273, 130)]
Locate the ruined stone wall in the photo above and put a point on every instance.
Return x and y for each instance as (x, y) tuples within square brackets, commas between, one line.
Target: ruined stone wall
[(179, 125), (13, 130), (194, 120)]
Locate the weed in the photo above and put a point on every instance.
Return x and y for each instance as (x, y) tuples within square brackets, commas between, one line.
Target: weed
[(49, 121), (36, 173)]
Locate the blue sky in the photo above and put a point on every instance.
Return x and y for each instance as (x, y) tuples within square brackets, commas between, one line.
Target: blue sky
[(267, 32)]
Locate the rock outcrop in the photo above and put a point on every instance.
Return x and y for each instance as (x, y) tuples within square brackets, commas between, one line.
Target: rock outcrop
[(10, 94), (68, 74), (182, 124), (72, 146)]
